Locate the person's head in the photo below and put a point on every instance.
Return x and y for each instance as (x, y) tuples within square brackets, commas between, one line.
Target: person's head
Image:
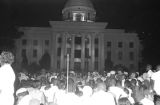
[(148, 67), (91, 83), (157, 67), (124, 101), (54, 81), (6, 58), (132, 75), (119, 72), (36, 84), (123, 77), (112, 82), (127, 84), (47, 86), (61, 84), (101, 86), (133, 82), (99, 80)]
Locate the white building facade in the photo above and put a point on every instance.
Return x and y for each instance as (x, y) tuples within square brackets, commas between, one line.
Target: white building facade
[(90, 44)]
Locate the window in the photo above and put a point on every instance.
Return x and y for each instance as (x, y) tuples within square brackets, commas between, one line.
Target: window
[(109, 55), (59, 51), (59, 39), (108, 44), (131, 56), (120, 55), (131, 45), (35, 42), (78, 17), (24, 42), (78, 40), (120, 44), (77, 54), (68, 50), (86, 52), (88, 16), (96, 52), (47, 42), (96, 65), (34, 53), (23, 53), (96, 41)]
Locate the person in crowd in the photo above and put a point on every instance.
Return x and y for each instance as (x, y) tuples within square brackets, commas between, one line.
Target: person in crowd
[(23, 97), (60, 93), (157, 100), (116, 89), (130, 98), (156, 77), (148, 97), (36, 94), (100, 95), (7, 78), (124, 101), (86, 97)]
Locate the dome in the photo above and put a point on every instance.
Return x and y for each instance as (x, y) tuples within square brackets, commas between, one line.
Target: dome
[(79, 10), (84, 3)]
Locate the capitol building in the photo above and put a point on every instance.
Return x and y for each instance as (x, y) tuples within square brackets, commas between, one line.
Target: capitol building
[(91, 46)]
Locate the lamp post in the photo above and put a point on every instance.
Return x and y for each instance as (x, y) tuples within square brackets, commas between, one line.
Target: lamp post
[(69, 39), (67, 70)]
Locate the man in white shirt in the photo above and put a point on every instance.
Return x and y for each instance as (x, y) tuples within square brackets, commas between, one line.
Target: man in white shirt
[(101, 97), (7, 79), (156, 77)]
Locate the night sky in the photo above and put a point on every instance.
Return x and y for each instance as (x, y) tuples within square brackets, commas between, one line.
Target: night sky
[(141, 16)]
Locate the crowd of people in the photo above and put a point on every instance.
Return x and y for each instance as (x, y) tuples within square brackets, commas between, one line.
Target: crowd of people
[(110, 88), (51, 88)]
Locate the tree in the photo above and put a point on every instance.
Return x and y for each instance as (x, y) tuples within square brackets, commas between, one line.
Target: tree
[(120, 67), (24, 63), (108, 64), (45, 61), (34, 67)]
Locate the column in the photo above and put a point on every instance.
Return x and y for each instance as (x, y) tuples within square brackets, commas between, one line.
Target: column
[(92, 53), (54, 51), (72, 53), (63, 52), (102, 58), (83, 54), (99, 52)]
